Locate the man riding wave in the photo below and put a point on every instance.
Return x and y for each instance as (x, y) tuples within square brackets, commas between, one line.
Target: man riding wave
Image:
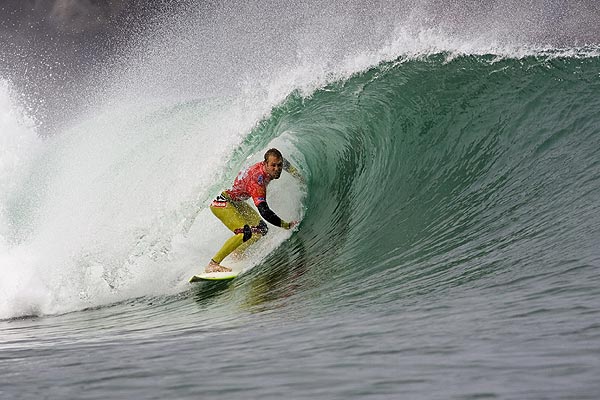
[(239, 217)]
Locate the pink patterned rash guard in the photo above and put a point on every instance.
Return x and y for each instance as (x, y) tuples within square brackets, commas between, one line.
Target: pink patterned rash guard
[(251, 182)]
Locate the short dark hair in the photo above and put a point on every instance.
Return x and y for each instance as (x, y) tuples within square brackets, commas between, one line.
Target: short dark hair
[(273, 152)]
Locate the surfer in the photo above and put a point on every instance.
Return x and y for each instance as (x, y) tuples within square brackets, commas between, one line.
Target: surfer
[(239, 217)]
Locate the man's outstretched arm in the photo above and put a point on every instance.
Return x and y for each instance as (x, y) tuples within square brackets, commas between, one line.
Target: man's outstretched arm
[(272, 218), (293, 171)]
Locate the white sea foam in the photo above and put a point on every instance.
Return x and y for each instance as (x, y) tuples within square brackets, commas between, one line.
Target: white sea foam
[(19, 145), (117, 191)]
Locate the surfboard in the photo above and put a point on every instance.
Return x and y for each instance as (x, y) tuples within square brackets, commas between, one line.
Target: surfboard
[(214, 276)]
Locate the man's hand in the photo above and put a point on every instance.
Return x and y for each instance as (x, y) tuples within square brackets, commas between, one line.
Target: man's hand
[(292, 224)]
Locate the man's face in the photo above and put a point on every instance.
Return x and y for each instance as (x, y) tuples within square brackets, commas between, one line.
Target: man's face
[(273, 167)]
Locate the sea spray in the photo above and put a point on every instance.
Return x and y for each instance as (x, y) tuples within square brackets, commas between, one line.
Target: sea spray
[(19, 146)]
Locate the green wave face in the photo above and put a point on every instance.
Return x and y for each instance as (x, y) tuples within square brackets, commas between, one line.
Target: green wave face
[(445, 171)]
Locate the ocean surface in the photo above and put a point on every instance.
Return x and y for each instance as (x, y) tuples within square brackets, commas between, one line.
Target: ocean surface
[(449, 244)]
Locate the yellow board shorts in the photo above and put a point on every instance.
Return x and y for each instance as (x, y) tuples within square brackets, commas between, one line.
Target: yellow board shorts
[(234, 215)]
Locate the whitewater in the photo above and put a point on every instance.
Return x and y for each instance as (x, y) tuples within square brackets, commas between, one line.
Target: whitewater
[(448, 244)]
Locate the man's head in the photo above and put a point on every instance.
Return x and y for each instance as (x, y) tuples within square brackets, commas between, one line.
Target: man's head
[(273, 163)]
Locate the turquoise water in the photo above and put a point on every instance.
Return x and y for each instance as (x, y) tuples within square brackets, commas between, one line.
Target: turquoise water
[(448, 245)]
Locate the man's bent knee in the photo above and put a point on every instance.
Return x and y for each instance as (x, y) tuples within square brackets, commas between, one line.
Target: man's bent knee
[(247, 233), (261, 229)]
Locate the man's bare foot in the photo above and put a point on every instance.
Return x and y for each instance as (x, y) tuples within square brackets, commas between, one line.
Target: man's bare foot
[(216, 267)]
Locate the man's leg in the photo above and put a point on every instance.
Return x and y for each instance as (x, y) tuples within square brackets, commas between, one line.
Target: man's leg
[(234, 216), (252, 220)]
